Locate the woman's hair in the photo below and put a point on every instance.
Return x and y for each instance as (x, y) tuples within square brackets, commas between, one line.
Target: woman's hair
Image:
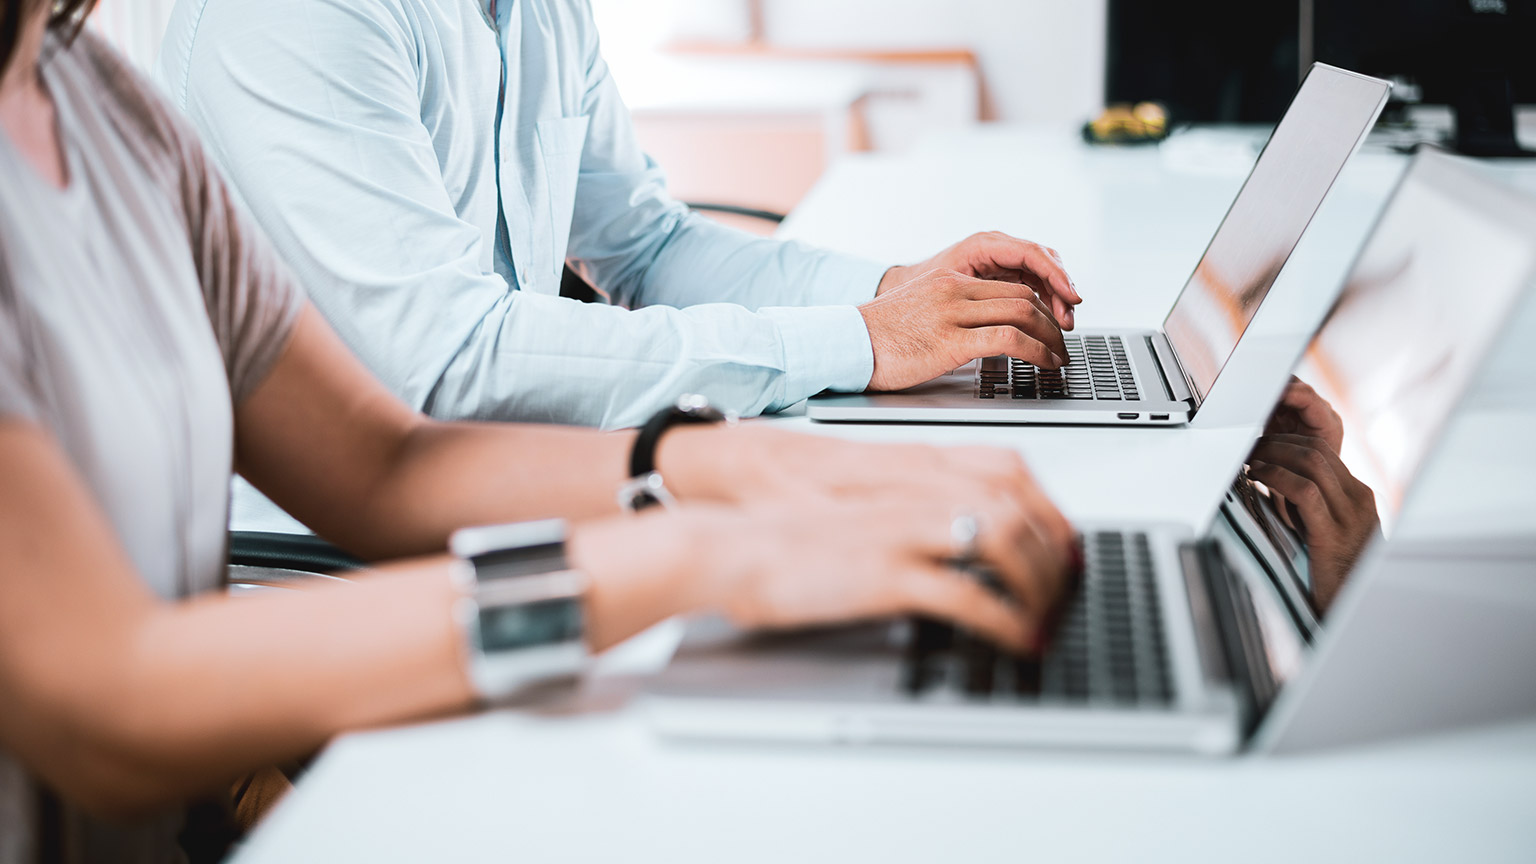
[(66, 16)]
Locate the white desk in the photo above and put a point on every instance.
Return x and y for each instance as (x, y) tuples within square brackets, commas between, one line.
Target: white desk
[(598, 786)]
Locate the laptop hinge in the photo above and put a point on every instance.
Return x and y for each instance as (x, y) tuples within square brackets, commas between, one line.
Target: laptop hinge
[(1224, 610), (1176, 385)]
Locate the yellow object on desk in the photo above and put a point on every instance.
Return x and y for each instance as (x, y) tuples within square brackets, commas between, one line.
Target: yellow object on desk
[(1144, 122)]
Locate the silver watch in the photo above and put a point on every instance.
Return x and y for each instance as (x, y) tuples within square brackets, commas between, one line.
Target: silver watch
[(521, 612)]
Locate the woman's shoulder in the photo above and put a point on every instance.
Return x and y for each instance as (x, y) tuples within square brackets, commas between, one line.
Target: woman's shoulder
[(125, 95)]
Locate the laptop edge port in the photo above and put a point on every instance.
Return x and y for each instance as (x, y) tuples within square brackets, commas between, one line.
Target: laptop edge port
[(1127, 415), (1159, 416)]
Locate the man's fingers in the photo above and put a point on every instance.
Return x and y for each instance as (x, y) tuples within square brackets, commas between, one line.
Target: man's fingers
[(1049, 302), (1309, 411), (1310, 453), (1001, 252), (995, 289), (1004, 339), (1309, 458), (1028, 314), (941, 592), (1064, 314), (1025, 313), (1307, 498)]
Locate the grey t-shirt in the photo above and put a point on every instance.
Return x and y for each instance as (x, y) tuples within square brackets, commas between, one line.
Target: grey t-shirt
[(137, 306)]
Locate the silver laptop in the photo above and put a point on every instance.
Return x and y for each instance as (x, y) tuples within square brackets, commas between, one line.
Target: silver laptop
[(1181, 637), (1160, 378)]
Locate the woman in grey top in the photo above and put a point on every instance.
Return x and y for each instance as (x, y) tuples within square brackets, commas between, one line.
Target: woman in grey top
[(150, 344)]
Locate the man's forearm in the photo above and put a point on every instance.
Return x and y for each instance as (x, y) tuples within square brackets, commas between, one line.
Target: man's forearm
[(706, 262), (546, 359)]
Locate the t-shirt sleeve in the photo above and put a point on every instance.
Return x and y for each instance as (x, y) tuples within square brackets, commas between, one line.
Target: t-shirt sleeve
[(17, 396), (253, 300)]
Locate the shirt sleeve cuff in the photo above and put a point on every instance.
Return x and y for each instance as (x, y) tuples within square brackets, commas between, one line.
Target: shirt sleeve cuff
[(825, 348), (847, 279)]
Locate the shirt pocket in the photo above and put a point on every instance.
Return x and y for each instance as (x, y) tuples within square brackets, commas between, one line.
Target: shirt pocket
[(560, 146)]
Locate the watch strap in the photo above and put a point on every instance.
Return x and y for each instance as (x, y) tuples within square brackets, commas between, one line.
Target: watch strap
[(689, 409)]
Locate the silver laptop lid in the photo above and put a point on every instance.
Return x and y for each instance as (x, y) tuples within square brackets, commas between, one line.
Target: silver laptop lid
[(1448, 262), (1327, 120)]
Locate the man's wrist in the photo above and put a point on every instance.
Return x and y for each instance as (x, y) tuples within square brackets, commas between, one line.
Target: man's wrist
[(825, 348)]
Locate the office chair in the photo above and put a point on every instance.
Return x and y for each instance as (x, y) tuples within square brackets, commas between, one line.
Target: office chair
[(734, 210), (263, 559)]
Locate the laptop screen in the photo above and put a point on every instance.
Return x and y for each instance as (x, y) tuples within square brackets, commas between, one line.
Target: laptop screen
[(1329, 116), (1445, 266)]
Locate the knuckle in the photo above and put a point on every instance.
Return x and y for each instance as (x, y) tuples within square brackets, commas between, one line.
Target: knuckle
[(1309, 494), (1314, 459)]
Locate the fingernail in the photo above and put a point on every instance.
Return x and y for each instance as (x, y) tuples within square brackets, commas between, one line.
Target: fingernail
[(1075, 559), (1257, 465), (1057, 358)]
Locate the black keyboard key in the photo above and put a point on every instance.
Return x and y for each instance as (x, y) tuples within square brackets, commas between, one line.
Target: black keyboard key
[(1026, 676), (926, 648), (979, 660)]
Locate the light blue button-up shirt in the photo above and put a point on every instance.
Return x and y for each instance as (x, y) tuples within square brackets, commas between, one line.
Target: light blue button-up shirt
[(429, 206)]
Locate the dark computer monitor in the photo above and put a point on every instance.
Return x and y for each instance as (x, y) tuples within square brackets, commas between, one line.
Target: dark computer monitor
[(1209, 61), (1218, 61), (1477, 56)]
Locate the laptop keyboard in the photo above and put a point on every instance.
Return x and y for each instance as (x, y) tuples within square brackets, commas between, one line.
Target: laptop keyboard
[(1108, 648), (1097, 368)]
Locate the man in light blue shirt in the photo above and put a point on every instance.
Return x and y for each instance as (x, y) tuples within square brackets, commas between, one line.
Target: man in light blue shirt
[(428, 167)]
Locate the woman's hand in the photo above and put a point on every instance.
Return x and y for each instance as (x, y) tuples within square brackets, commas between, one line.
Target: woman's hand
[(754, 462), (790, 563)]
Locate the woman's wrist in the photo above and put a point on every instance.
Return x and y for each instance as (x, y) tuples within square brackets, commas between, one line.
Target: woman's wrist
[(697, 462), (643, 570)]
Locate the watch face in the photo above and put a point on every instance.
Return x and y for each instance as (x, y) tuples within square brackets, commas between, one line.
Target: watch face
[(530, 625)]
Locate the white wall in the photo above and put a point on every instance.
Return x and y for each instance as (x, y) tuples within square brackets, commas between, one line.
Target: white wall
[(133, 27), (1043, 60)]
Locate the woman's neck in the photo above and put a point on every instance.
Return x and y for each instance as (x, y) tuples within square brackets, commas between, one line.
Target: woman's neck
[(26, 110), (21, 71)]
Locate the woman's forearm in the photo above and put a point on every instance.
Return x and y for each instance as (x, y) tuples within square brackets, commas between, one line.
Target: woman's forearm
[(445, 476), (192, 694), (173, 699), (335, 449)]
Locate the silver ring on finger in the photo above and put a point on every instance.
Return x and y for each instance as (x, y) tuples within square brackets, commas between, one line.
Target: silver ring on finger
[(965, 540)]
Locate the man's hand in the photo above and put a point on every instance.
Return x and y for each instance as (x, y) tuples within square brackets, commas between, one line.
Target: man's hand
[(995, 255), (942, 320), (1334, 512), (1303, 412)]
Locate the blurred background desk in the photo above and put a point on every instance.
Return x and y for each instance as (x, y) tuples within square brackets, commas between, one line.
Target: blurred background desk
[(599, 786)]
